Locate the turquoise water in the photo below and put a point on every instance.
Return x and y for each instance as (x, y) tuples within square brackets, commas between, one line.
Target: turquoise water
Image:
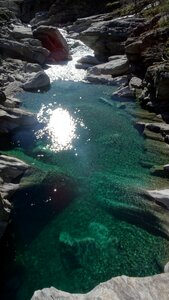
[(84, 219)]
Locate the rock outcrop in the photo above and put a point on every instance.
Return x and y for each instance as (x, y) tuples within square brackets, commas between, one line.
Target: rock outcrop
[(39, 81), (118, 288), (52, 40), (54, 12), (117, 66), (106, 36), (21, 32), (14, 49), (12, 118), (11, 170)]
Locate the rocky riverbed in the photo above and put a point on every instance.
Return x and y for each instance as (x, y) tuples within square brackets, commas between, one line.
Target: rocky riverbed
[(130, 51)]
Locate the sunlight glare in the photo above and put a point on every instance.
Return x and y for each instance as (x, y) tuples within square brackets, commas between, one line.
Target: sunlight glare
[(61, 129)]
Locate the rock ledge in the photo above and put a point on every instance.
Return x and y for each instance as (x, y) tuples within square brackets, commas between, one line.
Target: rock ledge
[(118, 288)]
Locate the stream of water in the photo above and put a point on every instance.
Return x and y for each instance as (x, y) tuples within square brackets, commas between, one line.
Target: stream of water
[(84, 219)]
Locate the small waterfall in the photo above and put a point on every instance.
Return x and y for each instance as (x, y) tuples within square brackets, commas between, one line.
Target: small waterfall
[(67, 70)]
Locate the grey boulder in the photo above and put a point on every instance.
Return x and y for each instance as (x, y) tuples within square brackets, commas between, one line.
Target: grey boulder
[(22, 51), (38, 81), (116, 67)]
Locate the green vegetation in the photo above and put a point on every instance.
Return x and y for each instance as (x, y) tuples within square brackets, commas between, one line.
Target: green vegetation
[(156, 8), (164, 21)]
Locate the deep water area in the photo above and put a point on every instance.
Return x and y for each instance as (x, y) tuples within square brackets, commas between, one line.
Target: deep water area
[(84, 218)]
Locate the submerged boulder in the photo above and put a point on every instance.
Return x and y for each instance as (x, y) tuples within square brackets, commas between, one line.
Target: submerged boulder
[(52, 40)]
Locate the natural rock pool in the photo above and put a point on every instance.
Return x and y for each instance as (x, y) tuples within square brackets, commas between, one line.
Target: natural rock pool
[(84, 219)]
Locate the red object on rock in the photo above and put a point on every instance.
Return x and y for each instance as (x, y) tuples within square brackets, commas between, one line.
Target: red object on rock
[(53, 40)]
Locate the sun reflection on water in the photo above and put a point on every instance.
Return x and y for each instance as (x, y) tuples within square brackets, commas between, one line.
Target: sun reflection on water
[(60, 128)]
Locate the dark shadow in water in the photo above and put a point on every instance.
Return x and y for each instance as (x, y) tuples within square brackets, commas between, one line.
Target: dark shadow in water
[(34, 207), (5, 142), (11, 275), (23, 138)]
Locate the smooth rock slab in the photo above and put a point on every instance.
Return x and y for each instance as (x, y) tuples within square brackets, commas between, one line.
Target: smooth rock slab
[(20, 32), (115, 67), (89, 59), (107, 79), (118, 288)]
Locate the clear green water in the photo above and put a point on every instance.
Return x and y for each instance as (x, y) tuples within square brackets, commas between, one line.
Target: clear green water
[(84, 220)]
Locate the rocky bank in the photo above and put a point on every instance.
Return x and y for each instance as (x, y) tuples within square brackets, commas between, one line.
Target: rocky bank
[(24, 54), (118, 288), (130, 50)]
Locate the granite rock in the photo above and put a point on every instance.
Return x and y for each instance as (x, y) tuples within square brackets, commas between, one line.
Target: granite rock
[(118, 288), (38, 81), (14, 49), (115, 67), (161, 197)]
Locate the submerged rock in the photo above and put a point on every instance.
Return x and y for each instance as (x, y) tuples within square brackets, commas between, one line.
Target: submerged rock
[(118, 288)]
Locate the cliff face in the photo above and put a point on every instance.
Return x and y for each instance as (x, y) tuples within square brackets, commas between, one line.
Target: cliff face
[(65, 10)]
